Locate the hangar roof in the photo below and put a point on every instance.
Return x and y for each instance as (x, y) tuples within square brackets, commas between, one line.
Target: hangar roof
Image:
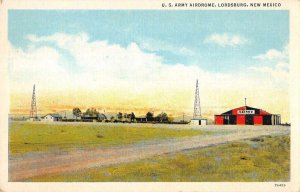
[(245, 110)]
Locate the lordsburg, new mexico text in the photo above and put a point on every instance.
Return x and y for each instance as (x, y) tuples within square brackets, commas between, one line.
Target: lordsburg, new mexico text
[(221, 4)]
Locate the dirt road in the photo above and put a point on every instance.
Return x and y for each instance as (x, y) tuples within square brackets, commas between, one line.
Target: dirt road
[(40, 164)]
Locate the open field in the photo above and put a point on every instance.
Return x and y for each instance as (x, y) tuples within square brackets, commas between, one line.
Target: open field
[(261, 159), (146, 141), (27, 137)]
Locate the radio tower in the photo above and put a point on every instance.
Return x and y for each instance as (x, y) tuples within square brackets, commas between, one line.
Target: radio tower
[(33, 111), (197, 109)]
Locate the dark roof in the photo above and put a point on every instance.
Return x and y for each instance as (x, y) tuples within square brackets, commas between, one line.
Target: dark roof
[(247, 108), (102, 115)]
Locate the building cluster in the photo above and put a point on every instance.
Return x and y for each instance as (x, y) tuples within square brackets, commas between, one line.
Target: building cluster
[(92, 115)]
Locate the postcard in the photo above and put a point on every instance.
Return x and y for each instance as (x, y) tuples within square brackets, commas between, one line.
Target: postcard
[(150, 96)]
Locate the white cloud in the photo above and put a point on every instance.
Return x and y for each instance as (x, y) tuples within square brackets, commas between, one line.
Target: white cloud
[(273, 54), (41, 63), (156, 45), (274, 63), (111, 62), (270, 55), (62, 40), (278, 73), (124, 76), (225, 40)]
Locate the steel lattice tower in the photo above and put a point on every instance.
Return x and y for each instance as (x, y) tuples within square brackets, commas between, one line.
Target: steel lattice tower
[(33, 111), (197, 109)]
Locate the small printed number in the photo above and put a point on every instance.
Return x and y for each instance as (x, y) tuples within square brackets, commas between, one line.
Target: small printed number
[(280, 185)]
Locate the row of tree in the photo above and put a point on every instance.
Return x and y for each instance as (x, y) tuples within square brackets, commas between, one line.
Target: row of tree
[(162, 117), (92, 113), (130, 117)]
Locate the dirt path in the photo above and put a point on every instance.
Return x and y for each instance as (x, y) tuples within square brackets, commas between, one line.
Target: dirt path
[(30, 166)]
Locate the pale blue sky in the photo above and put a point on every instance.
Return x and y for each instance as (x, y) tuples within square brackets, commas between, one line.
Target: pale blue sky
[(165, 33), (151, 57)]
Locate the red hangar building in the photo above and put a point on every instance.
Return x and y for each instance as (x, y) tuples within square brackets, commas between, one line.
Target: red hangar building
[(247, 116)]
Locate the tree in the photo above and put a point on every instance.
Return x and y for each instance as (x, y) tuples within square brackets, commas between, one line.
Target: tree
[(162, 117), (149, 116), (92, 112), (132, 117), (120, 116), (112, 119), (76, 112), (126, 117), (170, 119)]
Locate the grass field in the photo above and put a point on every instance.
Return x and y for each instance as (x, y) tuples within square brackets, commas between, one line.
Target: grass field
[(25, 137), (260, 159)]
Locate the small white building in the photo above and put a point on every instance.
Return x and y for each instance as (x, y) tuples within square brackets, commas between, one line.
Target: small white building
[(52, 117), (33, 119), (199, 121)]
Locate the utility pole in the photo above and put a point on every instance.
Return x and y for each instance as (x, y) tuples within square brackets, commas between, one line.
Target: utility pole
[(33, 110), (245, 101)]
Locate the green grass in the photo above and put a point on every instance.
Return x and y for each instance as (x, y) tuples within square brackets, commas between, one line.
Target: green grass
[(26, 137), (267, 159)]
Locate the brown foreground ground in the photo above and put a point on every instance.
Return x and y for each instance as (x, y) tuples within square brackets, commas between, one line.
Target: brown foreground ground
[(23, 168)]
